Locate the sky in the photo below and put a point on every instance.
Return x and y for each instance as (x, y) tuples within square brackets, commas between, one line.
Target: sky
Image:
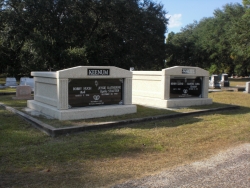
[(184, 12)]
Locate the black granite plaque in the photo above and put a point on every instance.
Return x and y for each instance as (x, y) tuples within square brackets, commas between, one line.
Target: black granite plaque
[(94, 92), (185, 87)]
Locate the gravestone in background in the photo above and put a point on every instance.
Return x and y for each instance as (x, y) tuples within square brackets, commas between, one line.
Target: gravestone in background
[(247, 87), (214, 82), (224, 80), (27, 81), (23, 92), (10, 82)]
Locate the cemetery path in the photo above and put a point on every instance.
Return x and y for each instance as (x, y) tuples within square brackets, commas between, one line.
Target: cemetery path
[(230, 168)]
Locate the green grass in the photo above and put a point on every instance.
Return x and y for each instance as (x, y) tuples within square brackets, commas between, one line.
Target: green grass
[(141, 112), (7, 90), (2, 80), (101, 158), (7, 100)]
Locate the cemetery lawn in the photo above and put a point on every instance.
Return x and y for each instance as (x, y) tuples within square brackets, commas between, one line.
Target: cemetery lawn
[(7, 90), (105, 157), (238, 81), (2, 79)]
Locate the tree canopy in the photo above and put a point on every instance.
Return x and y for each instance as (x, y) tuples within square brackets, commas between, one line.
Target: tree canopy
[(38, 35), (220, 44), (42, 35)]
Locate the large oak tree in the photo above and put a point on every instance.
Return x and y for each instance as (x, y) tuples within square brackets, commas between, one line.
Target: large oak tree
[(57, 34)]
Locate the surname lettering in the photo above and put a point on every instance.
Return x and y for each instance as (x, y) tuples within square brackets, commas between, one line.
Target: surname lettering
[(96, 72)]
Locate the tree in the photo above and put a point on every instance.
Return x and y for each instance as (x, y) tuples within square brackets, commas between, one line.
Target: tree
[(219, 44), (240, 41), (57, 34)]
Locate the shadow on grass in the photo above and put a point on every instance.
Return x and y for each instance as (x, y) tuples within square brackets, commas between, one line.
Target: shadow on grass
[(101, 143), (57, 162)]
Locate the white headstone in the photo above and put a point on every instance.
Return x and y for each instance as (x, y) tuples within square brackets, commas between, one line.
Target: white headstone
[(214, 82), (26, 81), (10, 82), (247, 87)]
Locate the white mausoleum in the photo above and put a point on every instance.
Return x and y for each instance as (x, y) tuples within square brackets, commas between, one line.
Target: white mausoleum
[(178, 86), (83, 92)]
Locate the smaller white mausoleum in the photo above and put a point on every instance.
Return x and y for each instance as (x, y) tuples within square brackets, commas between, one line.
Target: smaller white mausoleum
[(178, 86)]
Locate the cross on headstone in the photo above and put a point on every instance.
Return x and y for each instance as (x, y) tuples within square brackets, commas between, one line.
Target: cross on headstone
[(27, 81)]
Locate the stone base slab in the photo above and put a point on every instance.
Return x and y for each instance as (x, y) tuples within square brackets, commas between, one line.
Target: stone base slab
[(170, 103), (83, 112)]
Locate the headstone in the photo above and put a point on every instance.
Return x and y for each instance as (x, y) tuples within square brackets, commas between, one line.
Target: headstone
[(247, 87), (224, 80), (214, 82), (2, 86), (83, 92), (23, 92), (11, 82), (27, 81), (172, 87)]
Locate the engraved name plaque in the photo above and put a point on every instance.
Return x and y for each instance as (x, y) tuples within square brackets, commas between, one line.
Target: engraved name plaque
[(94, 92), (185, 87)]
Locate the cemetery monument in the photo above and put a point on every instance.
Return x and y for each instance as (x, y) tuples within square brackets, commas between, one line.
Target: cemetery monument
[(172, 87), (83, 92)]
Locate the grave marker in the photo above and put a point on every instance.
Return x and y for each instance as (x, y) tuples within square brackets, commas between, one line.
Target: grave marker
[(23, 92), (10, 82), (172, 87), (247, 87), (214, 82), (224, 80), (83, 92), (27, 81)]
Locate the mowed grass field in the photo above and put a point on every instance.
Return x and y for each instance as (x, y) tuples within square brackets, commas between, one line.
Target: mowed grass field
[(105, 157)]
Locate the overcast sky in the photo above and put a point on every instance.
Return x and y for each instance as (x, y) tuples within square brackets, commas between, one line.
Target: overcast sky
[(184, 12)]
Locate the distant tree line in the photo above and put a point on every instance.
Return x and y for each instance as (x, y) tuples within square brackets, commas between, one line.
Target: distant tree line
[(220, 44), (42, 35)]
